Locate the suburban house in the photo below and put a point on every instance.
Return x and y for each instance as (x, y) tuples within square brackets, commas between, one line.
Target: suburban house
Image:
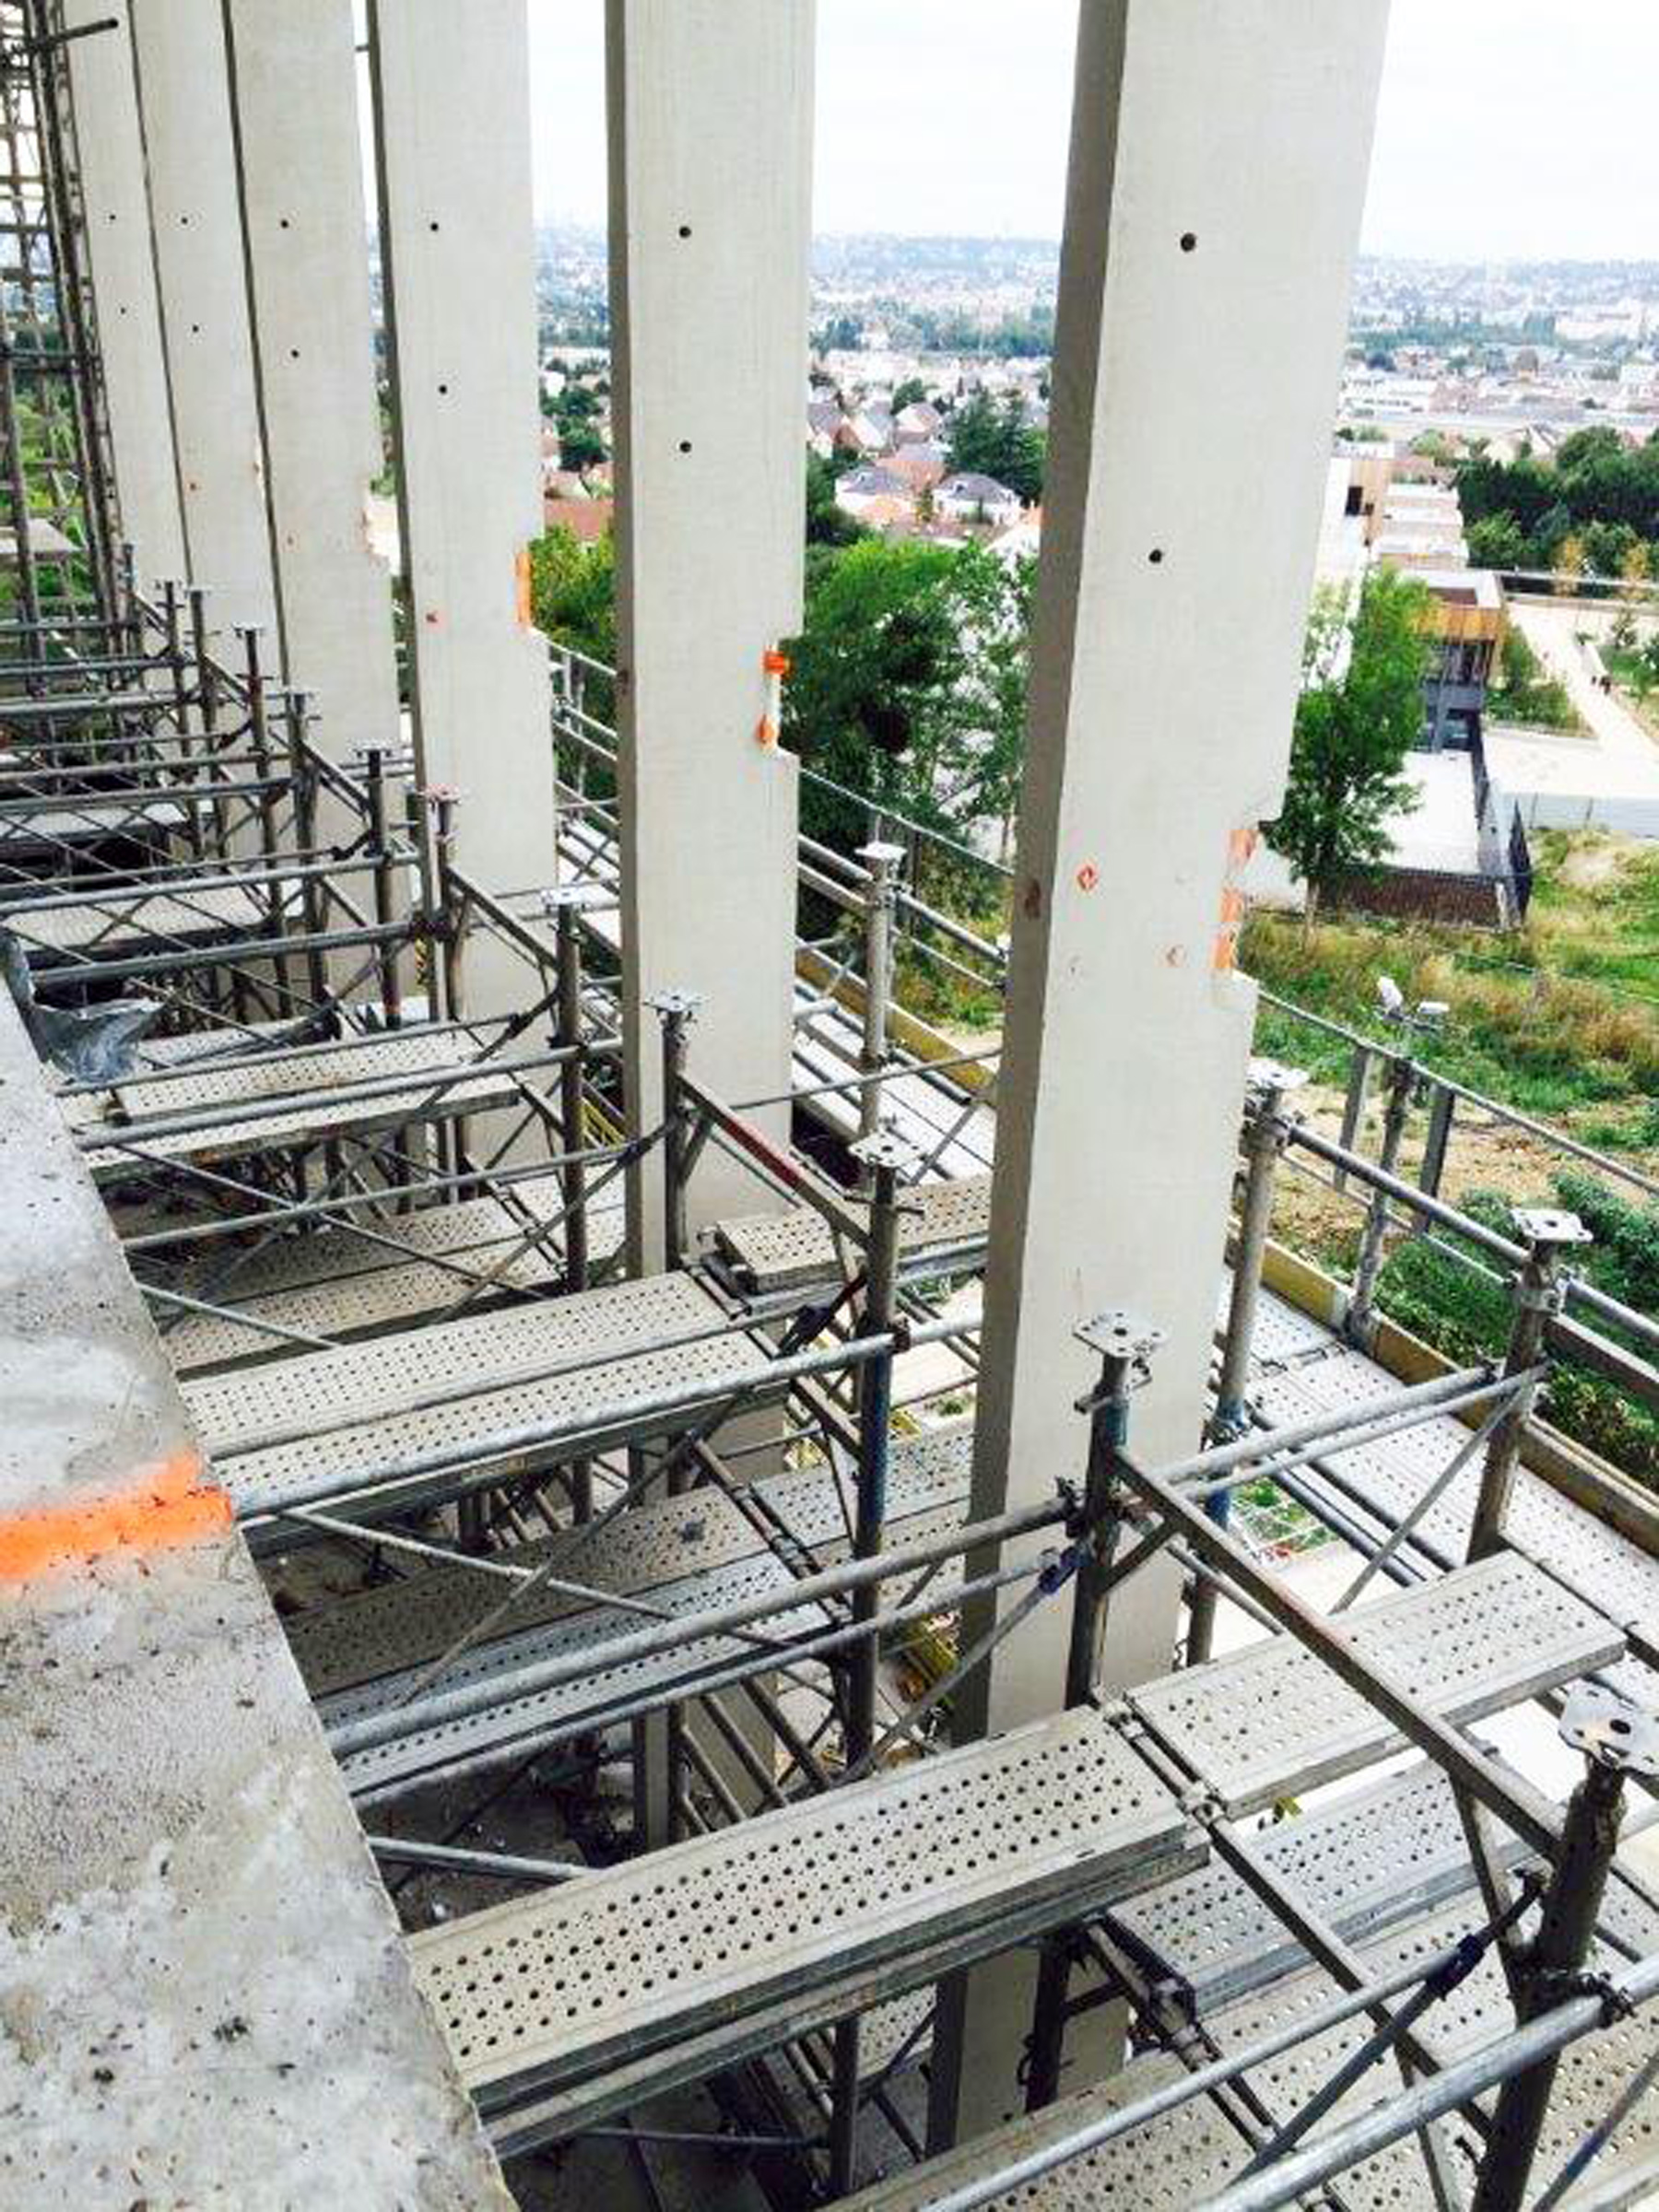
[(872, 425), (917, 422), (973, 497), (861, 489), (920, 465)]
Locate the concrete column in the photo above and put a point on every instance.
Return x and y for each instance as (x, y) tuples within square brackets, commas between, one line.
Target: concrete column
[(293, 77), (121, 261), (1217, 172), (185, 106), (458, 262), (710, 158)]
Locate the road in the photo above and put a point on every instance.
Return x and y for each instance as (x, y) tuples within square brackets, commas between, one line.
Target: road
[(1612, 774)]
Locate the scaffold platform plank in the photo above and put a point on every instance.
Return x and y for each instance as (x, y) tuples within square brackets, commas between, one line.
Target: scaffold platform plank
[(593, 1364), (955, 1134), (1186, 2156), (1272, 1720), (671, 1957), (1386, 1852), (88, 817), (113, 924), (1610, 1572), (793, 1250), (339, 1283), (732, 1565), (404, 1624), (318, 1079)]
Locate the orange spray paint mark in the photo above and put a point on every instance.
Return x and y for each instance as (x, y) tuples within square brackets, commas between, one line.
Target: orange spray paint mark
[(1240, 844), (521, 577), (163, 1506), (1227, 935)]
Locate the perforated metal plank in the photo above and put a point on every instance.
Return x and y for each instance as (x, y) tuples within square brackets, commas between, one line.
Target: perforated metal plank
[(258, 1077), (780, 1251), (337, 1283), (921, 1108), (515, 1721), (108, 924), (404, 1624), (328, 1254), (1388, 1852), (1181, 2159), (612, 1397), (568, 1983), (1174, 2161), (1284, 1334), (233, 1413), (515, 1724), (316, 1073), (1617, 1576), (92, 814), (1169, 2165), (1478, 2010), (1271, 1720)]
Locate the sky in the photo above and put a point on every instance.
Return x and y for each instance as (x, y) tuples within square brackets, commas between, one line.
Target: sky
[(1508, 130)]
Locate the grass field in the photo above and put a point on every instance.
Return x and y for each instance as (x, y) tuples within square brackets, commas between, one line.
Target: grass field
[(1559, 1017)]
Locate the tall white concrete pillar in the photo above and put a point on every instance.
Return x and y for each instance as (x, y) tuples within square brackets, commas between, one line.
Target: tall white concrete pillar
[(711, 162), (184, 106), (122, 265), (458, 263), (1218, 162), (293, 77)]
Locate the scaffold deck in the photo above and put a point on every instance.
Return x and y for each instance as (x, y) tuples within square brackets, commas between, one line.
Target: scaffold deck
[(112, 925), (340, 1283), (675, 1955), (592, 1365), (88, 817), (319, 1079), (1385, 1852), (1272, 1720), (1610, 1571), (732, 1564), (404, 1624), (793, 1250), (1186, 2156), (954, 1134)]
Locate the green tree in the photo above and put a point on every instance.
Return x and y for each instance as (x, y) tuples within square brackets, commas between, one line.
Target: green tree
[(573, 592), (996, 440), (1524, 691), (1354, 724), (1495, 542), (908, 683), (580, 445), (911, 390), (827, 524)]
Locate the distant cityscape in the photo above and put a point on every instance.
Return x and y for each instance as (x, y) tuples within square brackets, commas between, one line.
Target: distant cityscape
[(1489, 436)]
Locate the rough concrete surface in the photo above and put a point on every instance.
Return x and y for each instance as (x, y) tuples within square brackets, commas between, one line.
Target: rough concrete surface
[(204, 1998)]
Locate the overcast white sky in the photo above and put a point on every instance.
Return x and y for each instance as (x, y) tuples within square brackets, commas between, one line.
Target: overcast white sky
[(1509, 129)]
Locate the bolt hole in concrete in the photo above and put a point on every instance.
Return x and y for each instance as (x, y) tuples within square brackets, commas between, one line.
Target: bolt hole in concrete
[(1189, 238), (685, 445), (1156, 555)]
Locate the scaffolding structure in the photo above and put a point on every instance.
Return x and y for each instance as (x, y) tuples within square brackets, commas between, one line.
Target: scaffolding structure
[(680, 1557)]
